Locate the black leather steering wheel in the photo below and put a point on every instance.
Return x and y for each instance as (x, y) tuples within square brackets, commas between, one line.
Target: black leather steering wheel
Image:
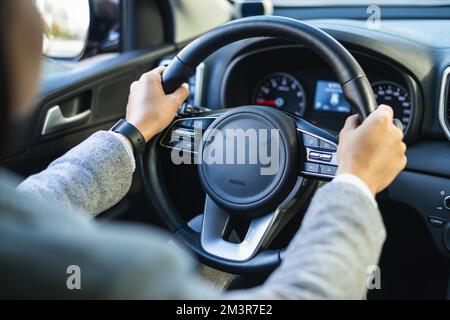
[(238, 193)]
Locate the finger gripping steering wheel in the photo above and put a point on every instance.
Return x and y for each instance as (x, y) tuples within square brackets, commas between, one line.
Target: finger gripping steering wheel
[(239, 192)]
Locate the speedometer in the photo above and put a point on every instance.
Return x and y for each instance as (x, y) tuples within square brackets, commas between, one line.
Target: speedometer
[(281, 90), (396, 96)]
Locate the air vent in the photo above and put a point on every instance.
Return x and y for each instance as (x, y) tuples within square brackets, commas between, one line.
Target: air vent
[(444, 103)]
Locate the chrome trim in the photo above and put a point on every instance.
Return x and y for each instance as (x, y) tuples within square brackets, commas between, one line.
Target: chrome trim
[(199, 82), (442, 102), (412, 107), (170, 130), (165, 62), (214, 225)]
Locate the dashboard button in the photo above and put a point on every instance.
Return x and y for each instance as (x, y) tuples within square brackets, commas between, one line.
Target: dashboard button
[(437, 221), (326, 146), (312, 167), (310, 141), (328, 170)]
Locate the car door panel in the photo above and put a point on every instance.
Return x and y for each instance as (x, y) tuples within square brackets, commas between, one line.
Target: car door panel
[(103, 90)]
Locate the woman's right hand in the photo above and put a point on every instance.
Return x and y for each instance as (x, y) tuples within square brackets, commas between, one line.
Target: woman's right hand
[(374, 150), (149, 109)]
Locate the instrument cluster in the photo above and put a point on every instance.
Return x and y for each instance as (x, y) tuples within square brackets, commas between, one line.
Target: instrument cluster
[(285, 91), (296, 80)]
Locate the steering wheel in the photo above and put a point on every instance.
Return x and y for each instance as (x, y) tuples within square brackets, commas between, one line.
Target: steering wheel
[(239, 194)]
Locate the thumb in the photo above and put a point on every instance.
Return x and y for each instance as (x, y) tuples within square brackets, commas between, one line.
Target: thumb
[(386, 109), (352, 122), (181, 94), (382, 112)]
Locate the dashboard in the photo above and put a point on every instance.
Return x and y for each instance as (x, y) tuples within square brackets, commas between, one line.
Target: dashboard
[(294, 79)]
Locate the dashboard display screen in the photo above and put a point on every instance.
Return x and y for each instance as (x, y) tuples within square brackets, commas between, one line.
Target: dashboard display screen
[(329, 97)]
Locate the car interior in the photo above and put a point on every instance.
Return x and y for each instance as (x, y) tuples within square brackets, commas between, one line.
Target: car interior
[(316, 61)]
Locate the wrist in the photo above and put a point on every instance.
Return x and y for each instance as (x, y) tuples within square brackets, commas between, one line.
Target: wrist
[(132, 133), (361, 175), (147, 131), (358, 184)]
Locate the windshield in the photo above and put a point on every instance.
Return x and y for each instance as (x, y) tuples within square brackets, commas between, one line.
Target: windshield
[(314, 3)]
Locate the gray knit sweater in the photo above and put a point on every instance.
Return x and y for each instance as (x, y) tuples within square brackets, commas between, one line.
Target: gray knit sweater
[(46, 227)]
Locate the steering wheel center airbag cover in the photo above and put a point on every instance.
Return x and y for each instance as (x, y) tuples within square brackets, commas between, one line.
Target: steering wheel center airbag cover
[(254, 166)]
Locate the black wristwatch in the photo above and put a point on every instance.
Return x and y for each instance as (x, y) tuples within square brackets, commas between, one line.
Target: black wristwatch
[(132, 133)]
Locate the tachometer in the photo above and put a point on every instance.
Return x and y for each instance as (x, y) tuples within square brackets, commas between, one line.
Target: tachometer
[(396, 96), (281, 90)]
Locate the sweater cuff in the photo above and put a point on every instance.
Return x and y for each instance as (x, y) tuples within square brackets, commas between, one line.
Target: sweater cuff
[(358, 183), (127, 145)]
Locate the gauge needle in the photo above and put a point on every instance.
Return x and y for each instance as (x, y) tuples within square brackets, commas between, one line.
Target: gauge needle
[(264, 102)]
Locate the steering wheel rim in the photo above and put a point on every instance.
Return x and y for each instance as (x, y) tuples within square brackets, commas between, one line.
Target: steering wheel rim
[(356, 89), (150, 168)]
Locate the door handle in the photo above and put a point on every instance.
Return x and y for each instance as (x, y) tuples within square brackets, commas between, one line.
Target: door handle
[(55, 120)]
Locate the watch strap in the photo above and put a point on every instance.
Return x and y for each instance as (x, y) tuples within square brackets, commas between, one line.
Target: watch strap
[(132, 133)]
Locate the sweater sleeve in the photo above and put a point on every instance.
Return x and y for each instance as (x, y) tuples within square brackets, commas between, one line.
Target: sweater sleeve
[(92, 177), (340, 240), (341, 236)]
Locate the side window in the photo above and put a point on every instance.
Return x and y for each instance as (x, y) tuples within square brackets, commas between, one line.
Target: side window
[(77, 29)]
